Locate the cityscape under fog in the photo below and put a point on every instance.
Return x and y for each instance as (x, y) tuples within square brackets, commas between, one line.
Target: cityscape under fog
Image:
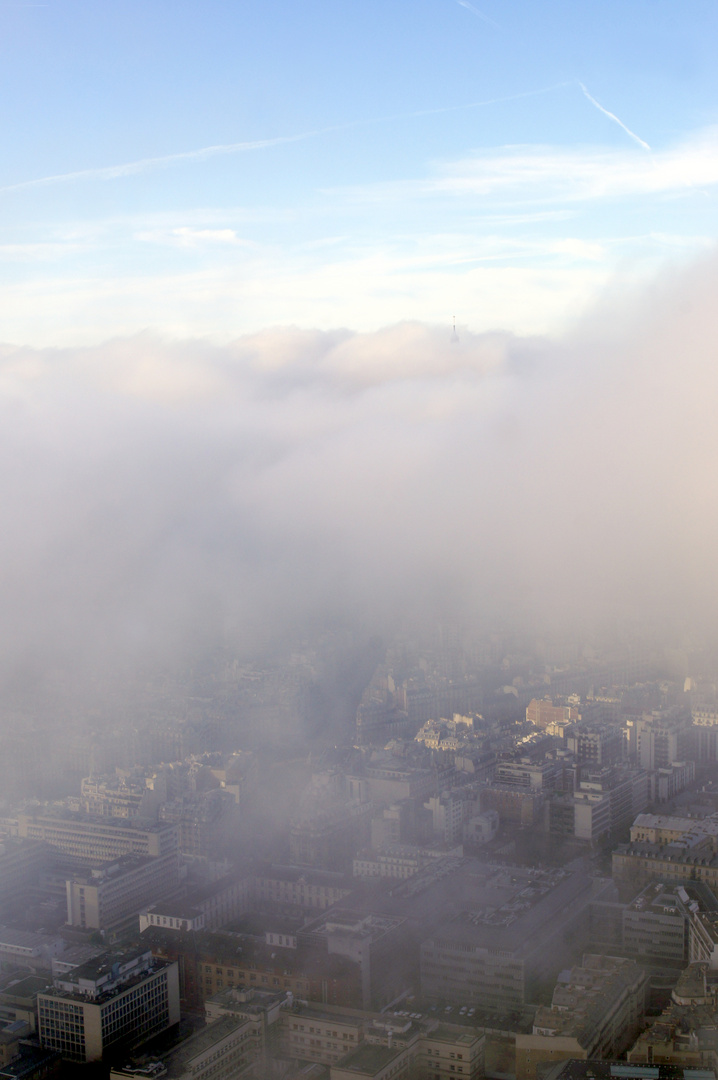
[(466, 852), (358, 533)]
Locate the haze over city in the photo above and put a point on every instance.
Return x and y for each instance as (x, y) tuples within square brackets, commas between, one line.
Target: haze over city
[(358, 657)]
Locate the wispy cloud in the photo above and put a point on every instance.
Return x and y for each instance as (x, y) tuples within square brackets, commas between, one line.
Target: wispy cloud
[(132, 168), (186, 236), (610, 115), (532, 175), (477, 13)]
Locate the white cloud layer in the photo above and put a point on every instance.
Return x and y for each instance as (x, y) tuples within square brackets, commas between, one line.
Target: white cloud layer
[(299, 475)]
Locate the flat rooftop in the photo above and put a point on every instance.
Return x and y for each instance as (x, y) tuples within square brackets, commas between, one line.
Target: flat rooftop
[(514, 925), (26, 988), (663, 821), (61, 816), (660, 899), (344, 921), (367, 1059), (24, 939), (447, 1034), (113, 869), (97, 966), (309, 1013), (178, 1060), (302, 875)]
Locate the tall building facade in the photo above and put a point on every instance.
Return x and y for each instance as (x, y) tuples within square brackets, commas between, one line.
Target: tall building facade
[(115, 1001)]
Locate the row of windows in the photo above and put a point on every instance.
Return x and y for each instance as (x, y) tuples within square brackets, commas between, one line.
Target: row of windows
[(56, 1008), (253, 977), (139, 1000), (318, 1042), (59, 1029), (320, 1031), (139, 1025), (142, 996)]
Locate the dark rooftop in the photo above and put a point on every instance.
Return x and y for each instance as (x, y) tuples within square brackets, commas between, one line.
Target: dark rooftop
[(367, 1059)]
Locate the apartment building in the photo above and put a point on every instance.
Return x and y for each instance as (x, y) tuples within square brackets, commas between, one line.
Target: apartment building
[(122, 999)]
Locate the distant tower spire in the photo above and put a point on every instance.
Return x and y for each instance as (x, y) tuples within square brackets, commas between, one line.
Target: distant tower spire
[(454, 335)]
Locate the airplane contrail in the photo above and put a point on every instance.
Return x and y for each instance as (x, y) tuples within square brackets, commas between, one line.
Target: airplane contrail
[(479, 14), (132, 168), (611, 116)]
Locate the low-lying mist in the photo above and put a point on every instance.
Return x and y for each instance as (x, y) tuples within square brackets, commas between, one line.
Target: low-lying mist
[(161, 497)]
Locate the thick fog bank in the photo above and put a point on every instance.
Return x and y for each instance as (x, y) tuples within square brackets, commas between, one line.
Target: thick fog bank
[(161, 497)]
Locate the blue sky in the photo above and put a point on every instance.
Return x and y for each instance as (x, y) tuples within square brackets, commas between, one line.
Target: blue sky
[(211, 170)]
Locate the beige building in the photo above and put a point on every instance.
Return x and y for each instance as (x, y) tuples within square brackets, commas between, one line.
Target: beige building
[(112, 894), (373, 1063), (542, 712), (111, 796), (314, 890), (18, 998), (96, 840), (659, 829), (324, 1036), (401, 860), (591, 815), (596, 1012), (690, 856), (120, 999), (405, 1049), (355, 1042), (175, 917), (447, 1051), (433, 1050)]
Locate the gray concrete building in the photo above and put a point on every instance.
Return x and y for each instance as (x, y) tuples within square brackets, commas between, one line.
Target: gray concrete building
[(497, 958)]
